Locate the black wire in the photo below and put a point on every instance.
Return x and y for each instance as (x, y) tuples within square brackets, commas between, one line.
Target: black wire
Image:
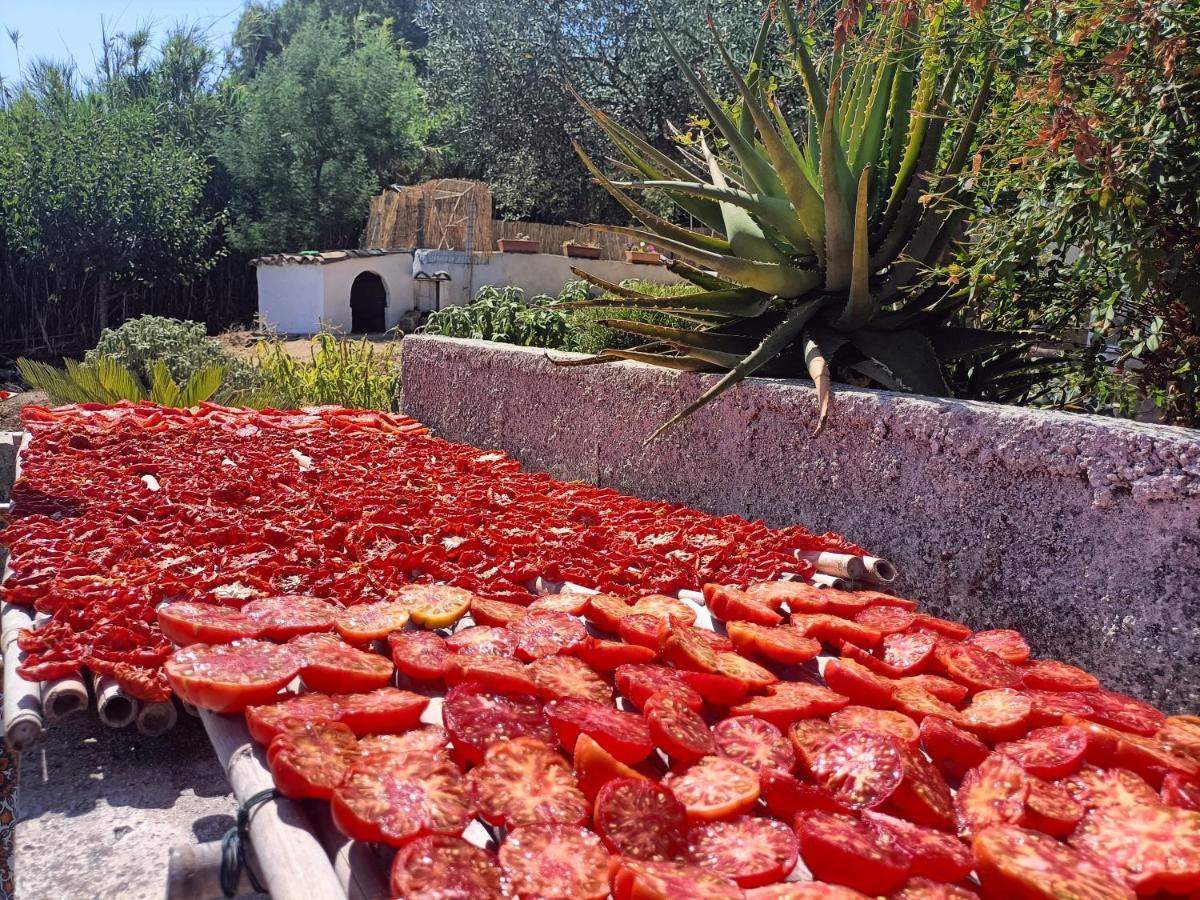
[(233, 846)]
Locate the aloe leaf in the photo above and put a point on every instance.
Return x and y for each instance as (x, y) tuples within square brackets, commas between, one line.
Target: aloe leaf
[(754, 75), (737, 302), (908, 355), (866, 143), (813, 88), (860, 305), (699, 277), (818, 371), (611, 286), (693, 338), (679, 363), (935, 233), (898, 119), (746, 236), (838, 227), (773, 344)]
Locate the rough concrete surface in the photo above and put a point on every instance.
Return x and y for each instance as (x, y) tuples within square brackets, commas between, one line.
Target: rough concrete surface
[(98, 809), (1082, 532)]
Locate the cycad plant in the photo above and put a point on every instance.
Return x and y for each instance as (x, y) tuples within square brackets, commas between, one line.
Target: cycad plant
[(104, 380), (820, 228)]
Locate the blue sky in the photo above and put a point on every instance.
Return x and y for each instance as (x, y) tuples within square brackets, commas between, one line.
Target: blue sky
[(60, 29)]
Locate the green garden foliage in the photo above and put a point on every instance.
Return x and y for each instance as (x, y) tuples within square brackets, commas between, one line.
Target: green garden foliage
[(105, 380), (356, 374)]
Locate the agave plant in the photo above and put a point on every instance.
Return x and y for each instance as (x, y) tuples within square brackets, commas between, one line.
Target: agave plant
[(104, 380), (818, 237)]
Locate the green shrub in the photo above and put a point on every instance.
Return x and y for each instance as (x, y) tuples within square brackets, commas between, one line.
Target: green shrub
[(342, 372), (183, 346)]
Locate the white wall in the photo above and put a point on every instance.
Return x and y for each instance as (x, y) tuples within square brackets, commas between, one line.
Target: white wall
[(291, 297), (394, 268)]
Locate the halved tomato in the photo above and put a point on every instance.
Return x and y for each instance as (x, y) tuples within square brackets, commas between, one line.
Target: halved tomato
[(783, 643), (1052, 675), (669, 880), (785, 795), (923, 796), (606, 611), (568, 676), (716, 688), (1007, 644), (573, 604), (665, 607), (928, 889), (624, 735), (1144, 755), (859, 683), (311, 760), (638, 819), (685, 648), (639, 683), (368, 622), (392, 799), (483, 640), (1181, 734), (952, 750), (270, 719), (909, 653), (440, 866), (860, 769), (1181, 792), (886, 619), (807, 736), (641, 630), (788, 701), (496, 612), (714, 788), (752, 851), (994, 793), (846, 603), (978, 669), (1052, 752), (1050, 809), (943, 688), (998, 715), (605, 656), (227, 678), (751, 674), (435, 605), (421, 655), (1095, 788), (522, 782), (385, 710), (285, 616), (730, 604), (556, 862), (754, 743), (678, 730), (881, 721), (185, 623), (838, 849), (426, 739), (799, 596), (1124, 713), (1016, 862), (492, 673), (1051, 707), (546, 632), (955, 631), (476, 719), (917, 703), (935, 854), (836, 630), (331, 665), (596, 767)]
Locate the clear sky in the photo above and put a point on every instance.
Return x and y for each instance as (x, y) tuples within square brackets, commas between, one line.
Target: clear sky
[(61, 29)]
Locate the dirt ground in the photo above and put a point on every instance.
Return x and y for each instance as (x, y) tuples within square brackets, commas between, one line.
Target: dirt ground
[(10, 409)]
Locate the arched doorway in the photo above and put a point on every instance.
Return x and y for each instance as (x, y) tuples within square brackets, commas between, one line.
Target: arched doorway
[(368, 300)]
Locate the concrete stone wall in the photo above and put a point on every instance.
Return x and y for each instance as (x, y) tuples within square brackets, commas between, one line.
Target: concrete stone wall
[(1082, 532)]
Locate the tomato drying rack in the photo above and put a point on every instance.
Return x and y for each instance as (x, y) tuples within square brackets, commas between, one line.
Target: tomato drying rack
[(293, 845)]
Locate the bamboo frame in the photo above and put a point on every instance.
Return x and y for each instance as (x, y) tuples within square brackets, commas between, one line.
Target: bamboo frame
[(880, 570), (840, 565), (194, 872), (23, 724), (64, 697), (115, 708), (156, 719)]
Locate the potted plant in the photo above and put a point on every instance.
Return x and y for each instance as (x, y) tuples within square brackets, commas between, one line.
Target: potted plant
[(522, 243), (581, 249), (643, 254)]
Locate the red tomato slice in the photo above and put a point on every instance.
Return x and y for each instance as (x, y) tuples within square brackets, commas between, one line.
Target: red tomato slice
[(807, 736), (547, 632), (859, 683), (730, 603), (386, 710), (755, 743), (638, 819), (664, 607), (605, 656), (717, 689), (476, 719), (943, 688), (836, 630), (639, 683), (496, 612), (1050, 707), (567, 676), (1181, 734), (269, 720), (227, 678), (654, 880), (798, 596), (596, 767), (1015, 862), (685, 648), (641, 630), (998, 715), (283, 617), (392, 799), (1146, 756), (492, 673), (421, 655), (678, 730), (785, 795), (427, 739), (1053, 752), (331, 665), (956, 631), (977, 668), (368, 622), (556, 862), (952, 750), (440, 866), (1007, 644), (1124, 713), (923, 796), (751, 851), (886, 619), (312, 760), (483, 640), (935, 854), (860, 769), (524, 782), (878, 598), (624, 735), (751, 674), (435, 605), (994, 793), (909, 654), (714, 788), (846, 603), (927, 889), (573, 604), (1052, 675), (606, 611), (1180, 792), (880, 721), (783, 643), (917, 703), (838, 849), (1095, 788), (792, 700), (186, 623), (1050, 809), (877, 664)]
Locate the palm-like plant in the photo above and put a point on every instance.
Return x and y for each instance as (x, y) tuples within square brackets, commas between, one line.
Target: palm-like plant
[(107, 381), (818, 238)]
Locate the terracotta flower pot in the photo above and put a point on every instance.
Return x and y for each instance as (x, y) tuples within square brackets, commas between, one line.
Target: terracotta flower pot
[(513, 245), (643, 258), (578, 251)]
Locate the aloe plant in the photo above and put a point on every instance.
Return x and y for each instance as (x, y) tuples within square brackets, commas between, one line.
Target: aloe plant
[(820, 227)]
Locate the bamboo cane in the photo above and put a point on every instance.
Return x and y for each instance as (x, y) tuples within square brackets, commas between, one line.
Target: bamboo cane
[(840, 565), (361, 871), (879, 569), (832, 581), (115, 708), (64, 697), (194, 872), (155, 719), (292, 861), (23, 725)]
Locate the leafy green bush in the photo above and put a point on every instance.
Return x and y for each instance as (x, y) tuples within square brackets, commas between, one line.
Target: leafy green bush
[(342, 372), (183, 346)]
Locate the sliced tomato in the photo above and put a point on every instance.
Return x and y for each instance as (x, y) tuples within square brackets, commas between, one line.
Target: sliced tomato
[(440, 866), (311, 760), (783, 643), (331, 665), (1181, 734), (860, 769), (751, 674), (881, 721), (492, 673), (928, 889), (678, 730), (998, 715), (807, 736), (421, 655), (268, 720), (878, 664), (1181, 792), (719, 642), (368, 622), (909, 653), (1051, 809), (879, 598), (886, 619), (798, 596), (185, 623), (1052, 675), (846, 603), (573, 603), (605, 656), (952, 750), (917, 703), (624, 735), (669, 880), (664, 607), (1052, 752), (285, 616), (1007, 644), (788, 701), (606, 611), (955, 631), (935, 854), (638, 819), (435, 605), (522, 782), (685, 648), (923, 796), (385, 710), (226, 678), (392, 799), (496, 612), (754, 743), (1147, 756), (838, 849), (639, 683), (858, 683), (993, 793), (547, 632), (752, 851), (483, 640), (1050, 707), (476, 719), (836, 630), (1018, 863), (943, 688), (716, 688), (567, 676), (641, 630), (714, 788), (785, 795), (978, 669), (426, 739), (596, 767), (733, 604), (1124, 713), (555, 862)]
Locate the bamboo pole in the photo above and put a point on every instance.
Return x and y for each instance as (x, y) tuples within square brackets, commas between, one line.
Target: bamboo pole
[(879, 569), (363, 873), (832, 581), (155, 719), (23, 726), (840, 565), (292, 862), (64, 697), (194, 872), (189, 709), (115, 708)]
